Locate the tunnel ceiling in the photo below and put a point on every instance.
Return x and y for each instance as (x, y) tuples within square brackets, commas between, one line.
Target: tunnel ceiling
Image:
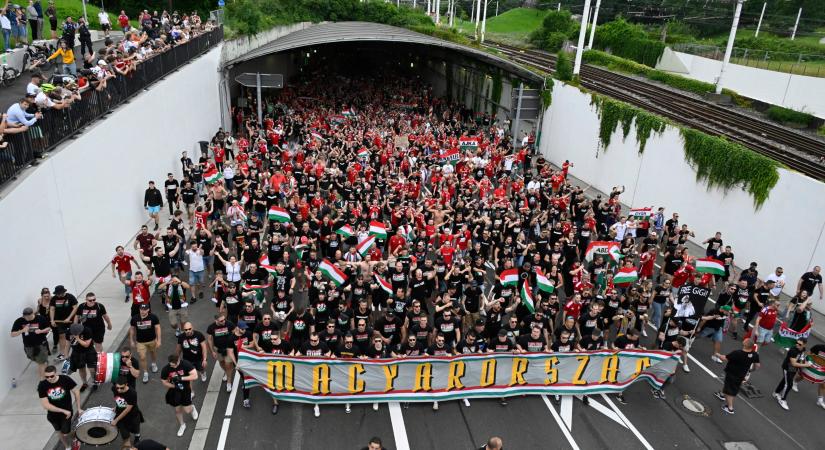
[(338, 32)]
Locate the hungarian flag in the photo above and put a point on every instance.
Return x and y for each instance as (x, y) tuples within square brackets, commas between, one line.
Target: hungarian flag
[(337, 119), (345, 231), (299, 251), (212, 176), (279, 214), (527, 296), (317, 137), (378, 229), (252, 287), (263, 261), (245, 198), (786, 337), (605, 248), (543, 283), (816, 373), (710, 265), (348, 112), (363, 153), (407, 232), (383, 284), (450, 156), (509, 277), (468, 143), (365, 246), (333, 273), (625, 275), (640, 213)]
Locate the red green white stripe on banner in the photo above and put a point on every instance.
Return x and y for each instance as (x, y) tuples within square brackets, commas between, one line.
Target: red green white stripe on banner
[(625, 275), (710, 265), (348, 112), (816, 373), (383, 284), (640, 213), (450, 156), (378, 229), (468, 143), (363, 153), (543, 283), (212, 176), (252, 287), (333, 273), (365, 246), (786, 337), (245, 198), (508, 277), (607, 248), (345, 231), (108, 367), (263, 262), (527, 296), (279, 214)]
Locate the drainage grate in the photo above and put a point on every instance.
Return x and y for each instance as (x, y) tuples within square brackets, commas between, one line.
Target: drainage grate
[(746, 445), (695, 407)]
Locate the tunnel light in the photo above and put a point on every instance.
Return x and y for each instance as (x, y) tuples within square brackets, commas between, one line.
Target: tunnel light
[(307, 54), (412, 64), (315, 50)]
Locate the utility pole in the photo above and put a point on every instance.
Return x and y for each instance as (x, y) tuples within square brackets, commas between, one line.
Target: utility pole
[(496, 7), (761, 15), (795, 25), (438, 12), (484, 20), (593, 26), (580, 46), (729, 48), (478, 18), (558, 8)]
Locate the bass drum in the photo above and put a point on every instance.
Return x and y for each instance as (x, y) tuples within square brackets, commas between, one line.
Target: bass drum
[(108, 368), (95, 427)]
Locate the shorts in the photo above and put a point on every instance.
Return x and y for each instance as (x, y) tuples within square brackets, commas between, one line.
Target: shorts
[(731, 385), (143, 347), (176, 397), (179, 315), (715, 333), (196, 277), (39, 354), (223, 355), (60, 422), (61, 329), (153, 209), (105, 26), (97, 335), (763, 334), (79, 360)]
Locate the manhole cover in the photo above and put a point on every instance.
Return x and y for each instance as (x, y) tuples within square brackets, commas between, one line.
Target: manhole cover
[(740, 446), (695, 407)]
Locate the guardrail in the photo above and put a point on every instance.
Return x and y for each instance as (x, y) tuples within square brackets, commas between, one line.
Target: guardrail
[(58, 125), (796, 63)]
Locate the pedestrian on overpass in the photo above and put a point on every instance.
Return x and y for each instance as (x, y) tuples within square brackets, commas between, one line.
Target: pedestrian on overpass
[(739, 364)]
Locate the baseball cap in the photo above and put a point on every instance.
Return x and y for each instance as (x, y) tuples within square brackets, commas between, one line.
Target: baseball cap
[(242, 325), (28, 311), (75, 329), (144, 306), (770, 281), (59, 289), (725, 308), (502, 332), (753, 264), (479, 321)]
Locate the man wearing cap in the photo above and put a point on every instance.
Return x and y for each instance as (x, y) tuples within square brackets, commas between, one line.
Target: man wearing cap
[(62, 310), (750, 275), (35, 329), (145, 335), (713, 325)]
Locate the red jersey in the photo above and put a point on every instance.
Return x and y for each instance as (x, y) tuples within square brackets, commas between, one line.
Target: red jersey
[(767, 318), (572, 308), (397, 241), (200, 219), (123, 263), (140, 292), (681, 275)]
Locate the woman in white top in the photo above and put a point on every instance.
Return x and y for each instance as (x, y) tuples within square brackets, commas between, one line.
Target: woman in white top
[(233, 268)]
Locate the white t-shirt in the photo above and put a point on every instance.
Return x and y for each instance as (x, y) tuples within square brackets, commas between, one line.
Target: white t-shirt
[(195, 261), (780, 283), (103, 18)]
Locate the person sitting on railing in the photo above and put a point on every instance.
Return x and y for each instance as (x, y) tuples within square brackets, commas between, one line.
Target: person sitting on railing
[(67, 62), (18, 120)]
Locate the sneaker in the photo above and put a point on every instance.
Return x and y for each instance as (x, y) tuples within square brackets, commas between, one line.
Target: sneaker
[(181, 430), (274, 409), (503, 401), (727, 410), (719, 395), (228, 387), (795, 387), (154, 368), (247, 404), (621, 399), (644, 332), (375, 406), (586, 400), (203, 376), (317, 411), (783, 404), (821, 402), (558, 399), (776, 396), (435, 406), (686, 368), (83, 387), (715, 359), (60, 357), (145, 377), (194, 412), (467, 402), (126, 300), (224, 378), (347, 408)]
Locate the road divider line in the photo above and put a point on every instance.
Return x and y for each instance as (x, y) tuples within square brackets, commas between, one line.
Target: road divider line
[(561, 424), (238, 379), (399, 431), (566, 411), (207, 410), (606, 411), (627, 422), (224, 433)]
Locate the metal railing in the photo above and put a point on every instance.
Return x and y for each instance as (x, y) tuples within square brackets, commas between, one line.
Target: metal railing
[(58, 125), (796, 63)]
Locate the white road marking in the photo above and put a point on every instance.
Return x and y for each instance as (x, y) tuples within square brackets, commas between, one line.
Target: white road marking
[(566, 410), (238, 379), (627, 422), (606, 411), (207, 410), (224, 434), (399, 431), (564, 429)]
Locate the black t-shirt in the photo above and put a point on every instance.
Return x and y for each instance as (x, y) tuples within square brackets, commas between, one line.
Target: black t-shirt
[(191, 346), (527, 343), (31, 339), (435, 350), (63, 306), (148, 444), (124, 371), (92, 316), (301, 325), (188, 195), (173, 375), (310, 349), (739, 363), (715, 323), (810, 280), (793, 353), (123, 400), (145, 327), (221, 334), (58, 393), (86, 335), (588, 323), (588, 343), (624, 343), (498, 346)]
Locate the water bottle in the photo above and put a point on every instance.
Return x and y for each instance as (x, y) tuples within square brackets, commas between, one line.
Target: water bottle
[(13, 383)]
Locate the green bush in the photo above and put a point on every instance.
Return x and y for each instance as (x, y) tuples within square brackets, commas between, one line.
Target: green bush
[(564, 67), (785, 115), (776, 44), (555, 28), (554, 41), (722, 163), (613, 112), (628, 41), (617, 64)]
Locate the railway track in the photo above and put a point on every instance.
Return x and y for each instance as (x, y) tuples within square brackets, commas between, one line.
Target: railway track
[(763, 137)]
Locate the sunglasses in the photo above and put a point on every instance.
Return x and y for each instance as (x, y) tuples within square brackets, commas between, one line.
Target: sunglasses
[(51, 377), (187, 329)]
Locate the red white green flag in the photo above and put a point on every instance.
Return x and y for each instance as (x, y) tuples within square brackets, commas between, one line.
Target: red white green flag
[(625, 275), (509, 277), (363, 153), (365, 246), (383, 284), (245, 198), (787, 337), (641, 213), (345, 231), (333, 273), (279, 214), (543, 283), (212, 176), (527, 296), (378, 229), (263, 262), (604, 248), (468, 143), (450, 156), (710, 265)]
